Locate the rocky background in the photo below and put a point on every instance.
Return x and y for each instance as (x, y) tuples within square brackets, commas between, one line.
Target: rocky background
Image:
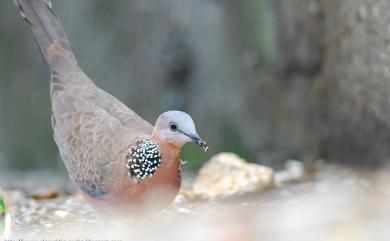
[(270, 80)]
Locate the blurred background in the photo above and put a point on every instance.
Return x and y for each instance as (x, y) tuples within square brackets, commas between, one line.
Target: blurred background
[(270, 80)]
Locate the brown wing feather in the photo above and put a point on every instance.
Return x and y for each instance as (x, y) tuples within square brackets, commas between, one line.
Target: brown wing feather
[(90, 141), (91, 127)]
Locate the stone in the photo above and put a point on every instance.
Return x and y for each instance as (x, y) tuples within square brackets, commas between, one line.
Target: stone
[(294, 172), (226, 175), (61, 213), (45, 193)]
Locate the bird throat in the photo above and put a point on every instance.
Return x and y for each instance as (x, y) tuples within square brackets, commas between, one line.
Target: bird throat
[(143, 160)]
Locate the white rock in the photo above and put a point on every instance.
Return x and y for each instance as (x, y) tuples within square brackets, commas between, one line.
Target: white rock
[(61, 213), (226, 175), (295, 171)]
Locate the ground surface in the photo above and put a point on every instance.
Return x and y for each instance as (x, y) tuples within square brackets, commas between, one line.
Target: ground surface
[(333, 204)]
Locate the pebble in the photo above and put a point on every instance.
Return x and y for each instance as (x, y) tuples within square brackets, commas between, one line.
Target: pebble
[(61, 213), (45, 193), (294, 172), (184, 210)]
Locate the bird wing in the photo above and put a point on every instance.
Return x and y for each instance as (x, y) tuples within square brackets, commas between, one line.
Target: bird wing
[(92, 130), (67, 76), (117, 110)]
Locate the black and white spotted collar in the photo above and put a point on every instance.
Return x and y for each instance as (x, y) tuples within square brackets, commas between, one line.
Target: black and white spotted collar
[(143, 160)]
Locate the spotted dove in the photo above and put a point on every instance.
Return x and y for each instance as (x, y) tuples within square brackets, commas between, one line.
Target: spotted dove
[(113, 156)]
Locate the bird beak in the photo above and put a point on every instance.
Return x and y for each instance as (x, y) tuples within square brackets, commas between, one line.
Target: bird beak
[(200, 142), (195, 138)]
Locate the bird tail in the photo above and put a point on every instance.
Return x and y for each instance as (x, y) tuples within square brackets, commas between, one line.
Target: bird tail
[(47, 30)]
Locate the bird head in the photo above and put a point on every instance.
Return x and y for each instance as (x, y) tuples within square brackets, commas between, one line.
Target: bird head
[(178, 128)]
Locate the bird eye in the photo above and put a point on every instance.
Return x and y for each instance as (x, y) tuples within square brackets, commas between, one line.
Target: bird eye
[(173, 126)]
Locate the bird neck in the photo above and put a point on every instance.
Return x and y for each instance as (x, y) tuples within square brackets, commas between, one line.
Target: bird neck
[(170, 152)]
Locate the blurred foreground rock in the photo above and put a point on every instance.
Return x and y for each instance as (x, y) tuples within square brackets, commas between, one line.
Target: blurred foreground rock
[(226, 174)]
